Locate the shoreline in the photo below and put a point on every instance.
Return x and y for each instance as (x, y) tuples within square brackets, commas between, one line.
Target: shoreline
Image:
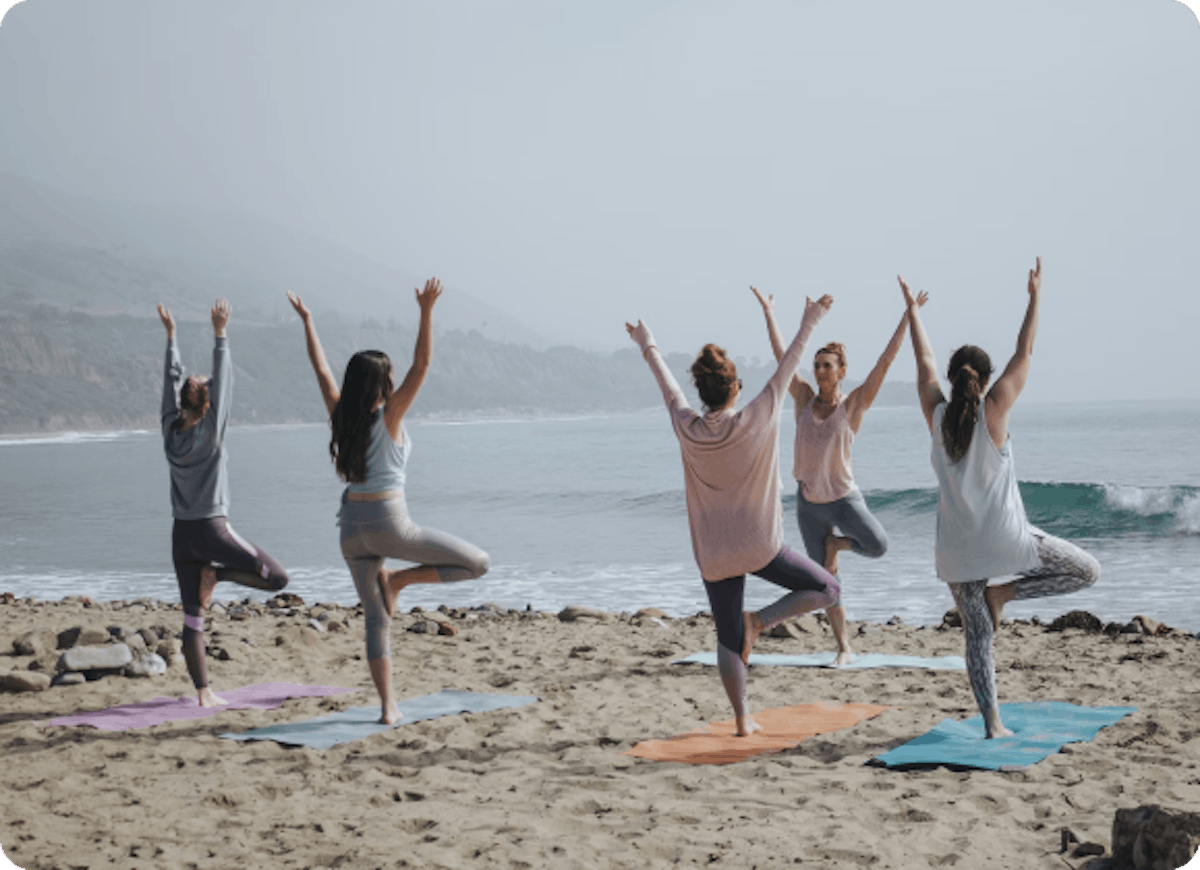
[(547, 784)]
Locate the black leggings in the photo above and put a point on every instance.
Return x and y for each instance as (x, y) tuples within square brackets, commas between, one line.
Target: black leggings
[(196, 544)]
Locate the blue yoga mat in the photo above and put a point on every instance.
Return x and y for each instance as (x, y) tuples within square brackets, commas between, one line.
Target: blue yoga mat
[(356, 723), (825, 660), (1042, 728)]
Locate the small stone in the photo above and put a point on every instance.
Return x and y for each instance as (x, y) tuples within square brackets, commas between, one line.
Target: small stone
[(149, 637), (95, 658), (148, 665), (69, 678), (895, 620), (574, 612), (1078, 619), (420, 626), (26, 681), (335, 625), (7, 598), (785, 629), (81, 636), (868, 628), (1148, 625), (1151, 837), (651, 612), (952, 618), (36, 643), (1084, 850), (285, 599), (446, 629), (316, 624), (121, 632)]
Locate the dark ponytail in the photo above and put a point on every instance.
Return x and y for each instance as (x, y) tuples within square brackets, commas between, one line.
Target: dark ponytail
[(969, 372), (368, 379), (714, 375)]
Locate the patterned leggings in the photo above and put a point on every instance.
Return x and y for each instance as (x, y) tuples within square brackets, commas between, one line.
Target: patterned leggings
[(1064, 568)]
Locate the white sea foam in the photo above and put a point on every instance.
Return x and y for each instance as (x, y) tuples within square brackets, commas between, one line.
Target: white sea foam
[(73, 438), (1144, 501)]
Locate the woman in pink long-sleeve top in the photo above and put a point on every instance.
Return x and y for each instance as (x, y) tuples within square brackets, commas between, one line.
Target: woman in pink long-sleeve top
[(731, 478)]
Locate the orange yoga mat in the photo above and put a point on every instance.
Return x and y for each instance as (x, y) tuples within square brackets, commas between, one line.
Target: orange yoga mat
[(782, 728)]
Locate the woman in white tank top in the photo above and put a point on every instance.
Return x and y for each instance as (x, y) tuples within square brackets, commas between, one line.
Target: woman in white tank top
[(982, 530), (832, 513)]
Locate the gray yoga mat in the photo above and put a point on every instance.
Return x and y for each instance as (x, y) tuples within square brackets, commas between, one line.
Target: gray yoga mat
[(356, 723)]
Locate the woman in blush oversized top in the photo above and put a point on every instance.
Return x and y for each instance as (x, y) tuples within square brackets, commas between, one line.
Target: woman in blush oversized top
[(831, 511), (982, 528), (731, 480), (370, 449)]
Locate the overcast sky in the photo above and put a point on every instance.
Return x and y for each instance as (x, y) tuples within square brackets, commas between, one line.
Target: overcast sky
[(584, 164)]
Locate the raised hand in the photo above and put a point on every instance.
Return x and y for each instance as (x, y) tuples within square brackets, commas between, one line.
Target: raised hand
[(640, 334), (428, 296), (220, 315), (767, 303), (825, 302), (909, 300), (1035, 278), (298, 304), (164, 314)]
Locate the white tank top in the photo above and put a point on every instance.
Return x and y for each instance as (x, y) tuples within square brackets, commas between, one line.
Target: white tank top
[(982, 529), (822, 460)]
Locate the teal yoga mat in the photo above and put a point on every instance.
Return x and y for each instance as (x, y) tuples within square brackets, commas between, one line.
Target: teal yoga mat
[(825, 660), (1042, 728), (356, 723)]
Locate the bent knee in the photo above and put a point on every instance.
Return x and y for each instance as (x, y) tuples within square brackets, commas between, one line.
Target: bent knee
[(1091, 570), (877, 548), (833, 592), (481, 565)]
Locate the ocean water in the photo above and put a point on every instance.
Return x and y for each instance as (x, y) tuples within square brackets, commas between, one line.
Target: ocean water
[(590, 510)]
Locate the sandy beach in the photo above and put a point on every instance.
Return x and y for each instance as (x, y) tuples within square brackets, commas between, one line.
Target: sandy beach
[(547, 785)]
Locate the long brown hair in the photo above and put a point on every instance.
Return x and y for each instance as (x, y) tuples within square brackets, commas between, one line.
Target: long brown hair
[(714, 375), (969, 371), (368, 379)]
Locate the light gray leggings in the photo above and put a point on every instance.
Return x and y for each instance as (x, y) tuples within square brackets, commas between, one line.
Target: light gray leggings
[(373, 531), (1064, 568)]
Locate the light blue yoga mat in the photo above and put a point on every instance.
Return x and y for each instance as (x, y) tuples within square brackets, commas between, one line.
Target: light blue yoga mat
[(1042, 728), (356, 723), (825, 660)]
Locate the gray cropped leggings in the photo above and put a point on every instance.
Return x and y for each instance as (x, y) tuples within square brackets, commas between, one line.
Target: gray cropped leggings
[(373, 531), (849, 516), (1064, 568)]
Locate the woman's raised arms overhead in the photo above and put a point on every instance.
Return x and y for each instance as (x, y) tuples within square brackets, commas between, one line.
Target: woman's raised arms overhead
[(404, 395), (1003, 394), (325, 380), (800, 389), (862, 397), (929, 389)]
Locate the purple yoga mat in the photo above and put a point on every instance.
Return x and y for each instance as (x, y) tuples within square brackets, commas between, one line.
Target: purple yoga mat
[(263, 696)]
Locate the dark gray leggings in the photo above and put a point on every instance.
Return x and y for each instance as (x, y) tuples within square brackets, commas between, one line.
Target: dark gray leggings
[(212, 541), (373, 531), (1064, 568), (812, 588), (849, 516)]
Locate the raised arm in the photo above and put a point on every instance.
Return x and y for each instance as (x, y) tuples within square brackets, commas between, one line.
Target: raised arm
[(672, 394), (316, 355), (813, 312), (862, 397), (172, 371), (401, 400), (800, 389), (929, 389), (220, 388), (1003, 394)]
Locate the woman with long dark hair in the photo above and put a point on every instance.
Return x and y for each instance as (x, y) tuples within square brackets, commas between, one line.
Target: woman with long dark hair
[(370, 448), (982, 529), (731, 479), (831, 511), (195, 417)]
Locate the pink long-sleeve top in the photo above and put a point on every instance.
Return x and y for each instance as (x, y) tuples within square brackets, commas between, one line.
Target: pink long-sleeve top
[(731, 466)]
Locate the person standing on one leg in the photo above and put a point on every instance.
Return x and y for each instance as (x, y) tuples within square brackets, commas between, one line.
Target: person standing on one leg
[(731, 478), (831, 511), (204, 547), (370, 448), (982, 528)]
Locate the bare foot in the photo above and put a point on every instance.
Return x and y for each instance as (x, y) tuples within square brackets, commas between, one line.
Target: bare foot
[(844, 657), (206, 698), (390, 716), (834, 544), (747, 726), (996, 597), (998, 731), (208, 583), (752, 626), (385, 589)]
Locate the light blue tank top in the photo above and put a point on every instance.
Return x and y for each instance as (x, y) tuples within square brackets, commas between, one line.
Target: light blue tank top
[(385, 459)]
